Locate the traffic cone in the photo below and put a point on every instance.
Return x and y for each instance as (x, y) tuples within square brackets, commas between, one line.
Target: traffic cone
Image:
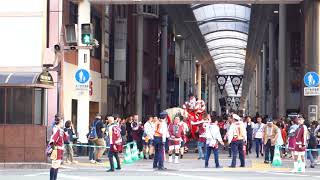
[(277, 162), (134, 153), (300, 165), (141, 155), (115, 162), (127, 155)]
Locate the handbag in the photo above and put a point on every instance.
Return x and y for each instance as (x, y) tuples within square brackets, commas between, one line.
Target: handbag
[(54, 154)]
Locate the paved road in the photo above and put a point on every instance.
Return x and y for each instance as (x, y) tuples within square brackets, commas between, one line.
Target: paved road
[(188, 169)]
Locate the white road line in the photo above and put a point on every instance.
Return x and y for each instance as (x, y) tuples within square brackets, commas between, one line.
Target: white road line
[(74, 177), (190, 176), (37, 174), (286, 174)]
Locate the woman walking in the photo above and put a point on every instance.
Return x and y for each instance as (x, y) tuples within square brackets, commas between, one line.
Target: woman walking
[(56, 140)]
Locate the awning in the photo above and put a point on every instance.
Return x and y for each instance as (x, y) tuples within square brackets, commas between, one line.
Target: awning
[(27, 79)]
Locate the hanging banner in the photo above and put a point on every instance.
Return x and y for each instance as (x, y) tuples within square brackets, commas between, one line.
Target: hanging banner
[(221, 80), (229, 100), (237, 101), (236, 82)]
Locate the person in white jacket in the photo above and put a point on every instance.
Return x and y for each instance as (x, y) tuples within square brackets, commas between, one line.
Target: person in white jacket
[(213, 137), (148, 138), (237, 137), (258, 135)]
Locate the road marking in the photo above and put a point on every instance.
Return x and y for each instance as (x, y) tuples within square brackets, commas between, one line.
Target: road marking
[(74, 177), (286, 174), (190, 176), (37, 174)]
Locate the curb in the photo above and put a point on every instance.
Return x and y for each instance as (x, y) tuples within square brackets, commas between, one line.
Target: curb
[(18, 165)]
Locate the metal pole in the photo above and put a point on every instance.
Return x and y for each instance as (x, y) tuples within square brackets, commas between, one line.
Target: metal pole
[(139, 65), (164, 62)]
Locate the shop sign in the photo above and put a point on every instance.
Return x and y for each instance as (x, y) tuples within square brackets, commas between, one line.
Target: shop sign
[(45, 78)]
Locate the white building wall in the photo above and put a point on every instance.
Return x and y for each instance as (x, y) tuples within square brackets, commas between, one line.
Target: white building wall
[(23, 27), (70, 93)]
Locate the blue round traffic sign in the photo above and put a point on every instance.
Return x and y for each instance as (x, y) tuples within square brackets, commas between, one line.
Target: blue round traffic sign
[(311, 79), (82, 76)]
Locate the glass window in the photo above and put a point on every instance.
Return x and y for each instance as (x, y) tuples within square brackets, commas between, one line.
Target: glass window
[(38, 108), (227, 43), (19, 106), (226, 34), (2, 95)]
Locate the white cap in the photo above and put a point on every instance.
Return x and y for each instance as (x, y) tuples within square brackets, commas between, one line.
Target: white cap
[(236, 117)]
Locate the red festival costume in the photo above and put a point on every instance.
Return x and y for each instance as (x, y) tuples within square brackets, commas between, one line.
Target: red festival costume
[(195, 110), (176, 133), (57, 139)]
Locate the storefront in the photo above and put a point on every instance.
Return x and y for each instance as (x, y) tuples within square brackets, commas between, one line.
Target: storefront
[(23, 116)]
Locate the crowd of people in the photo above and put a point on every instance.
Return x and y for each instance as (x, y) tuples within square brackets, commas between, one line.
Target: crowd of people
[(157, 136)]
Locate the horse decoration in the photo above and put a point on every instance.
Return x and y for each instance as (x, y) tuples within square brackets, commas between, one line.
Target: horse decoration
[(191, 113)]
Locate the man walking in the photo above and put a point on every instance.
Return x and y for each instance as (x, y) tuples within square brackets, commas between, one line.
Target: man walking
[(270, 136), (100, 130), (237, 138), (160, 135), (258, 134), (213, 137), (249, 128)]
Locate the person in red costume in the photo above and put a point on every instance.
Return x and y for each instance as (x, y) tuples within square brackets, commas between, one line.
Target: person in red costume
[(176, 133), (300, 145), (57, 139), (195, 109)]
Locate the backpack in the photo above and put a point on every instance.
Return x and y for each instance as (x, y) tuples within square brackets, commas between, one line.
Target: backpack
[(93, 131), (318, 133), (312, 141)]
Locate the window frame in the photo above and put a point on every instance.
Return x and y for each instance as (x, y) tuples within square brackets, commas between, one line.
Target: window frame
[(6, 97)]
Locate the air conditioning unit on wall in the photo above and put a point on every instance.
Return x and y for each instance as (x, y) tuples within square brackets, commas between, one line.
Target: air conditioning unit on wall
[(151, 11)]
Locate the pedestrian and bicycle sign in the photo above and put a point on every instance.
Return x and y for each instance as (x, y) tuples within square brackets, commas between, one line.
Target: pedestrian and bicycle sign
[(311, 80), (82, 77)]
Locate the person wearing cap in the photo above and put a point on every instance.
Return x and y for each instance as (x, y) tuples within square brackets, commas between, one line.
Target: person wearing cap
[(160, 136), (270, 136), (237, 137)]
